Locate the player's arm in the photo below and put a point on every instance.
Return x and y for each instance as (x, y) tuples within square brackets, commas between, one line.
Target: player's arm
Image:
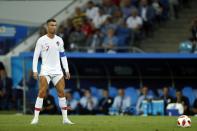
[(64, 60), (65, 64), (35, 59)]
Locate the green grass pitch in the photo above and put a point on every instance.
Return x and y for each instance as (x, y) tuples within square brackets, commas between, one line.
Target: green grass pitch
[(93, 123)]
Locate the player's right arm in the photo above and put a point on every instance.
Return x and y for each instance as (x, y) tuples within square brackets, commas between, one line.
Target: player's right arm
[(35, 59)]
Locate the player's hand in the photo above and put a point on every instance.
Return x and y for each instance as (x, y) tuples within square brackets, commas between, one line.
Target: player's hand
[(67, 77), (35, 75)]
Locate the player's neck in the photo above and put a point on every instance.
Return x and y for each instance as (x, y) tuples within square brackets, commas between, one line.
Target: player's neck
[(50, 35)]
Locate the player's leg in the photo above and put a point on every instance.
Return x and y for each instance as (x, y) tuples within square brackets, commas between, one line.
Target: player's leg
[(43, 85), (60, 85)]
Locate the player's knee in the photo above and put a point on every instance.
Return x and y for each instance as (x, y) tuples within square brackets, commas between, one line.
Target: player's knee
[(61, 94), (42, 93)]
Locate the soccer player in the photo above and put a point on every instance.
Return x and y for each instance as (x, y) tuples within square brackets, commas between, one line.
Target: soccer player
[(51, 48)]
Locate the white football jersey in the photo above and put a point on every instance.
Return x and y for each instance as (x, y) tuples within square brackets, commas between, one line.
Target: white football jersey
[(49, 49)]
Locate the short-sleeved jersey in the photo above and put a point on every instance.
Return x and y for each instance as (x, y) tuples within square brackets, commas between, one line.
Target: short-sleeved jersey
[(49, 49)]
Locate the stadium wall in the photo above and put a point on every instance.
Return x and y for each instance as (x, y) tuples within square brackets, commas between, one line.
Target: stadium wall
[(121, 70)]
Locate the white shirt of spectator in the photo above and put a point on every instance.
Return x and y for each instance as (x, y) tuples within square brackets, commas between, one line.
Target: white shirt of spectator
[(85, 102), (144, 10), (134, 22), (49, 49), (92, 13), (126, 103), (157, 8), (99, 20)]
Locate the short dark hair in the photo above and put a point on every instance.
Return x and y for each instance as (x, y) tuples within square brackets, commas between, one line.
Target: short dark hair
[(51, 20)]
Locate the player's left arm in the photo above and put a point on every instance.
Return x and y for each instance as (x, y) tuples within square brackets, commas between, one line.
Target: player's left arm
[(64, 60)]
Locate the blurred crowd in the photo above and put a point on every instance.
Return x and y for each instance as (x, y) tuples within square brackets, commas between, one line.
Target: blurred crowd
[(190, 45), (115, 25), (108, 101), (11, 98)]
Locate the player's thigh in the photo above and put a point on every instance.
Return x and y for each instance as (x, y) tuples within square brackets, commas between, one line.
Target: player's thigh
[(43, 82), (60, 85)]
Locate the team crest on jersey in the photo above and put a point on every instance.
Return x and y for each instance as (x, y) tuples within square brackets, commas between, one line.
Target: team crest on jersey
[(58, 43)]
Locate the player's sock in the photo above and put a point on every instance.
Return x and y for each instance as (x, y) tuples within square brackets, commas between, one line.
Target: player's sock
[(38, 106), (63, 106)]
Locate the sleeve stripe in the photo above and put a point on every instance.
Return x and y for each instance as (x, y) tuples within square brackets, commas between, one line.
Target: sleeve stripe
[(62, 54)]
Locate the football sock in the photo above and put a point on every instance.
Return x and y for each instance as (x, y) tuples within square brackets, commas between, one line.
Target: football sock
[(38, 106), (63, 106)]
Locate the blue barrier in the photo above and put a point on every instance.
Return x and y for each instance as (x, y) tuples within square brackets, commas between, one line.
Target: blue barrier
[(124, 55)]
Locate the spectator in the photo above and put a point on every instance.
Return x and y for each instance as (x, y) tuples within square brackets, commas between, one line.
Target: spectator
[(91, 10), (107, 25), (174, 9), (108, 7), (193, 30), (122, 103), (88, 103), (97, 2), (158, 10), (116, 2), (68, 29), (117, 17), (71, 102), (194, 35), (147, 13), (87, 28), (77, 39), (5, 90), (143, 96), (78, 18), (135, 23), (127, 7), (60, 31), (99, 19), (194, 108), (110, 41), (49, 106), (182, 100), (166, 97), (105, 103), (95, 41)]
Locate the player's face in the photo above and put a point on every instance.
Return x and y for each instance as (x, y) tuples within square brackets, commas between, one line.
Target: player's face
[(51, 27)]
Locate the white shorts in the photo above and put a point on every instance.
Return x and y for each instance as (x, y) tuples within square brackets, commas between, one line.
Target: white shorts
[(54, 78)]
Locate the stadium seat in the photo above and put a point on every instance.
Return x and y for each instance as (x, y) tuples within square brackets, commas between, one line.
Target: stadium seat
[(133, 94), (195, 92), (76, 95), (172, 92), (96, 92), (113, 92), (188, 91), (160, 92), (151, 93)]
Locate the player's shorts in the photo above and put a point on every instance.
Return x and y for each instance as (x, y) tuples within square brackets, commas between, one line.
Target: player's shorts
[(54, 78)]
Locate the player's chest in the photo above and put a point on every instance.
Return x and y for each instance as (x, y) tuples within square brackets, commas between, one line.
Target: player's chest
[(52, 45)]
